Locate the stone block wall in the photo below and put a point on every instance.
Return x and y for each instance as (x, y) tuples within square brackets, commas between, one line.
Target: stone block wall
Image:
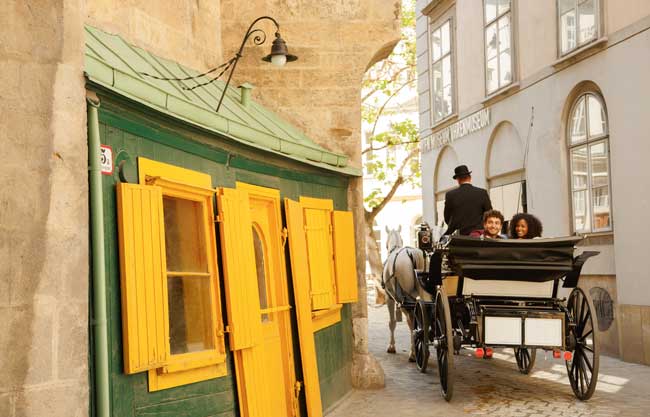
[(43, 210), (185, 31)]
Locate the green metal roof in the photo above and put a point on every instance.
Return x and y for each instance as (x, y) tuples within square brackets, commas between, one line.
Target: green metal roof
[(117, 65)]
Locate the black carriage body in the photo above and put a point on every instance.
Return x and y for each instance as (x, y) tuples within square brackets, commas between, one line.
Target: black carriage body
[(506, 295), (472, 260)]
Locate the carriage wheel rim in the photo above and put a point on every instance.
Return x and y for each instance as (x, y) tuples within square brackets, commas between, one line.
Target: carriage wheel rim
[(442, 350), (420, 344), (583, 367)]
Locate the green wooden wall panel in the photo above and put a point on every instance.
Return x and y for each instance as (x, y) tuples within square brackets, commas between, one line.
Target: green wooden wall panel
[(334, 357), (129, 393)]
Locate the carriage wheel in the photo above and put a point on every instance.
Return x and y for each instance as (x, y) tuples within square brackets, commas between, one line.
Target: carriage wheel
[(444, 342), (525, 359), (583, 366), (421, 337)]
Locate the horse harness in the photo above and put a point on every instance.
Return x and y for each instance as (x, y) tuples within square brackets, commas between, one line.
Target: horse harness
[(391, 275)]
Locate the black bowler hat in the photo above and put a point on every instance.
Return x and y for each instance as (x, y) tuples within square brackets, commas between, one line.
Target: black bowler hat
[(461, 171)]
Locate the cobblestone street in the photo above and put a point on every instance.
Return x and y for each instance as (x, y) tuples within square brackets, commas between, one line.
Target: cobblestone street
[(490, 387)]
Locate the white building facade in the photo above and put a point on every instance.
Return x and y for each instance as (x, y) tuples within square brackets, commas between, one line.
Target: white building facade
[(547, 102)]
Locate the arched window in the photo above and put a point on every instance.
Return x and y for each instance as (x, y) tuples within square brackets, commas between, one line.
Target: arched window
[(588, 139)]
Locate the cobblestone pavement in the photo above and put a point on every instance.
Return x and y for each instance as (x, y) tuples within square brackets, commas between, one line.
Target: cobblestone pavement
[(490, 387)]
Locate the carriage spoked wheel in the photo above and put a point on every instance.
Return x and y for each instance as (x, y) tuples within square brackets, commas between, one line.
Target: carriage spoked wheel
[(444, 343), (583, 366), (421, 337), (525, 359)]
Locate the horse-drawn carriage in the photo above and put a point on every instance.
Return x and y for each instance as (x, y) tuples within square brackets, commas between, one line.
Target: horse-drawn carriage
[(486, 294)]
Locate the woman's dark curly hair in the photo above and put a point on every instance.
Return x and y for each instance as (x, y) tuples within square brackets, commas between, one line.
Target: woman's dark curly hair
[(534, 225)]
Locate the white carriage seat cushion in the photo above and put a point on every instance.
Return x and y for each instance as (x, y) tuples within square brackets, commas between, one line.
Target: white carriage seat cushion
[(503, 288)]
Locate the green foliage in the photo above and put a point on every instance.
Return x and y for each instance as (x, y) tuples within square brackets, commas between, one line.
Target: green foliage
[(391, 155)]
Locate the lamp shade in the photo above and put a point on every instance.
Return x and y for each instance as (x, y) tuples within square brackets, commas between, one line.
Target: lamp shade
[(279, 53)]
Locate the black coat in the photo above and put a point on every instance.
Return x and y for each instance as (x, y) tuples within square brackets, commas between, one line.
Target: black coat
[(464, 208)]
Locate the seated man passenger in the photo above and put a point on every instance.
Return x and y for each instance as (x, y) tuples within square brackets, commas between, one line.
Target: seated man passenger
[(525, 226), (492, 223)]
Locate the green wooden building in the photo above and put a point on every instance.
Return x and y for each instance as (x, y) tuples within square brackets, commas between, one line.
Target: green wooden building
[(219, 231)]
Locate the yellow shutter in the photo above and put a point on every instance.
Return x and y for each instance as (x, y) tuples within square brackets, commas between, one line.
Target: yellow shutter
[(345, 265), (142, 263), (240, 277), (319, 252), (300, 275)]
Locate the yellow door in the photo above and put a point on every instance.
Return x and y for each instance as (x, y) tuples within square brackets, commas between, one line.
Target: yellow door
[(269, 389)]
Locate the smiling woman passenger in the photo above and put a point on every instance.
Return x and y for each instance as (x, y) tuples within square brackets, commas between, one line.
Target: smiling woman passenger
[(525, 226)]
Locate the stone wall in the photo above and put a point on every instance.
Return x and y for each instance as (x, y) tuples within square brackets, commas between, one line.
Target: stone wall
[(185, 31), (336, 42), (43, 210)]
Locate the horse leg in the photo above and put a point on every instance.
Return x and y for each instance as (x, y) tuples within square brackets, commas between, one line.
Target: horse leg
[(410, 322), (390, 303)]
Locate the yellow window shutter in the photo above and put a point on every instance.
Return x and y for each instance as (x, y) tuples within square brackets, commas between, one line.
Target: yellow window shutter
[(345, 265), (142, 263), (319, 252), (300, 275), (240, 277)]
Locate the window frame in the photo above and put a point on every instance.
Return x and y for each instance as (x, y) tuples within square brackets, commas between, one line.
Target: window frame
[(192, 360), (588, 142), (578, 46), (513, 55), (433, 26), (187, 368)]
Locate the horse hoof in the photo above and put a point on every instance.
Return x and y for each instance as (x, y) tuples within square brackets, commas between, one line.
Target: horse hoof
[(391, 349)]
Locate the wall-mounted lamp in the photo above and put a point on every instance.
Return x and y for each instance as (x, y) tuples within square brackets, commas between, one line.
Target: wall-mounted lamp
[(279, 56)]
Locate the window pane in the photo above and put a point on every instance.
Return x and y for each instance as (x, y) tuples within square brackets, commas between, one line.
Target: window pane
[(440, 210), (190, 326), (491, 41), (491, 9), (599, 164), (596, 116), (587, 21), (446, 71), (579, 167), (504, 6), (507, 199), (505, 68), (581, 217), (600, 196), (437, 90), (566, 5), (568, 31), (504, 33), (436, 42), (261, 273), (184, 235), (446, 92), (445, 34), (577, 129), (492, 80), (446, 102)]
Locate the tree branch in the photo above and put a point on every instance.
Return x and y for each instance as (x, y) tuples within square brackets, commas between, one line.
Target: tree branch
[(392, 78), (381, 109), (370, 215), (371, 148)]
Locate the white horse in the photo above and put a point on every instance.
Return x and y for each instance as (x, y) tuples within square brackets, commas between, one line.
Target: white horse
[(401, 283)]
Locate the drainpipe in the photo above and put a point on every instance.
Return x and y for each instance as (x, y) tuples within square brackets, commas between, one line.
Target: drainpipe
[(102, 402)]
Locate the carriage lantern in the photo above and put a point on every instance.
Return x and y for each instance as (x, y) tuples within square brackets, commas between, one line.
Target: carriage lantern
[(424, 237)]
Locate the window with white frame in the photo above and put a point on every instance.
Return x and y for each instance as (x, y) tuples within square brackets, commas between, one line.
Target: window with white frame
[(498, 44), (441, 70), (588, 138), (578, 23)]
